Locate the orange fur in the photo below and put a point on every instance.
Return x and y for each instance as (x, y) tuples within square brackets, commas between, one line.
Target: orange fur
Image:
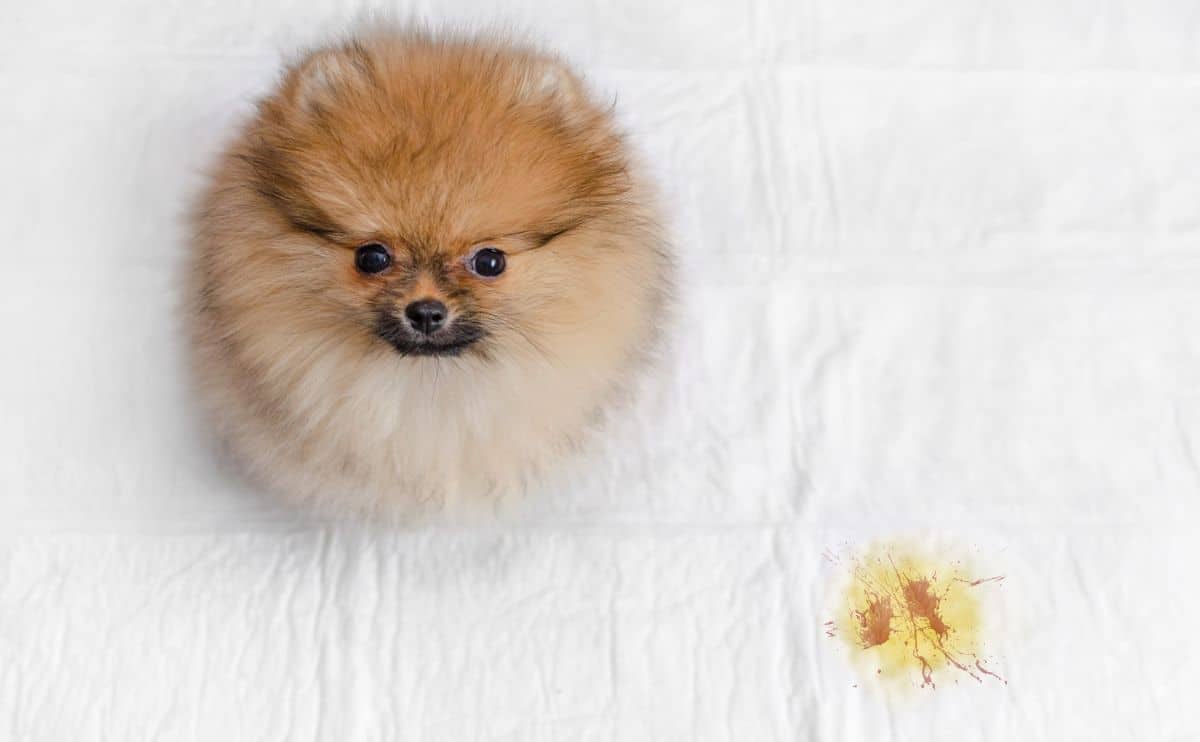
[(432, 146)]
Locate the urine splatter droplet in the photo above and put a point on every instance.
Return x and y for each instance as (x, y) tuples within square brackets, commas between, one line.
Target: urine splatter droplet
[(922, 603), (907, 613), (875, 621)]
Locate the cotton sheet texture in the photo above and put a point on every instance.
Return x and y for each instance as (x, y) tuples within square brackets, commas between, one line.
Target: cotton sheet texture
[(938, 296)]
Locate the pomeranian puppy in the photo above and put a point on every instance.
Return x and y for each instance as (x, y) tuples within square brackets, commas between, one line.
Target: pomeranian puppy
[(420, 273)]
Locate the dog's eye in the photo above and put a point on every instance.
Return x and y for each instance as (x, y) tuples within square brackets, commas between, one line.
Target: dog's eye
[(372, 258), (487, 262)]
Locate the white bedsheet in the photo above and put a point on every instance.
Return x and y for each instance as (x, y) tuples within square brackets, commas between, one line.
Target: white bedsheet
[(940, 266)]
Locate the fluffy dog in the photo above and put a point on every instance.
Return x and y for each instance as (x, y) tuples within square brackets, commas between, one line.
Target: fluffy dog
[(420, 272)]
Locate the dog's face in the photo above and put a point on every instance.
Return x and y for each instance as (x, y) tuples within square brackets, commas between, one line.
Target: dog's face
[(446, 201)]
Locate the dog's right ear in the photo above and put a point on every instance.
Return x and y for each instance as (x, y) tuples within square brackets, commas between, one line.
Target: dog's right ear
[(549, 80), (318, 79)]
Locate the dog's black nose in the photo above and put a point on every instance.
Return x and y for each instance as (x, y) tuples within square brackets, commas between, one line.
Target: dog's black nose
[(426, 315)]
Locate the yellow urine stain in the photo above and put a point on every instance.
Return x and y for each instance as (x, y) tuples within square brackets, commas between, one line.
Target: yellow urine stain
[(911, 615)]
